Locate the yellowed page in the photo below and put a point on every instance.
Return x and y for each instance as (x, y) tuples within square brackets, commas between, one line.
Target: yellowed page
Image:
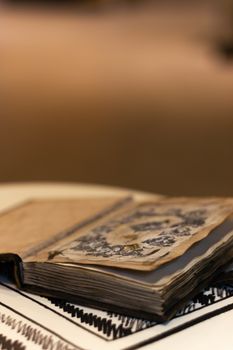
[(145, 237), (36, 224)]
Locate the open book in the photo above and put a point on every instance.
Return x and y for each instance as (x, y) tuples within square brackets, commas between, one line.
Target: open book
[(144, 257)]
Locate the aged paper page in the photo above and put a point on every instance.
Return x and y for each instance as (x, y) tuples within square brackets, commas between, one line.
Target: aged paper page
[(146, 236), (35, 224)]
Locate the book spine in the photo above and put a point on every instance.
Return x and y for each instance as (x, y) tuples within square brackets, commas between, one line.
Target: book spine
[(12, 266)]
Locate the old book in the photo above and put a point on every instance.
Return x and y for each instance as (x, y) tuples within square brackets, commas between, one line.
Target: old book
[(144, 257)]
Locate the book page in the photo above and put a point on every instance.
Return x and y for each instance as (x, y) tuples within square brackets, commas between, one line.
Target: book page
[(144, 237), (35, 224)]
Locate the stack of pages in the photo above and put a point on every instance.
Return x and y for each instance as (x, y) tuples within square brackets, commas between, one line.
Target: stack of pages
[(144, 257)]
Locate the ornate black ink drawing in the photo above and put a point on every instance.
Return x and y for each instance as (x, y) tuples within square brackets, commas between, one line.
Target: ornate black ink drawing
[(140, 233)]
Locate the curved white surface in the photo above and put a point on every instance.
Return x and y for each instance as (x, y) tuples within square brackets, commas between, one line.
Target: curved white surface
[(11, 194)]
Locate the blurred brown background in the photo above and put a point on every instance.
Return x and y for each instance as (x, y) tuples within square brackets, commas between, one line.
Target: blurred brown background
[(137, 95)]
